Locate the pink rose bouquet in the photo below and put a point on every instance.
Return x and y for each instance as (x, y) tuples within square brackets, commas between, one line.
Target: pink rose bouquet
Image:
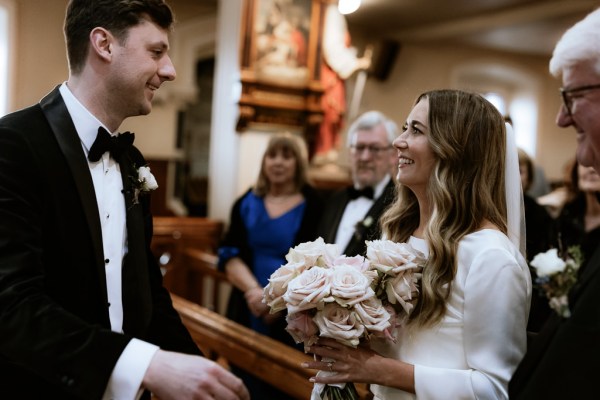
[(349, 299)]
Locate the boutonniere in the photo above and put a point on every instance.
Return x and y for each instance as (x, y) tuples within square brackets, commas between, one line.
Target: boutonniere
[(361, 226), (556, 276), (143, 183)]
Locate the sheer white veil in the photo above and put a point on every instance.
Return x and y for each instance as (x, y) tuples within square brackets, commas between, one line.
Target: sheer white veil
[(515, 208)]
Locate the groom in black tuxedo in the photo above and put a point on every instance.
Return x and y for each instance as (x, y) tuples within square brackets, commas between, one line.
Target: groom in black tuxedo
[(562, 361), (351, 216), (83, 314)]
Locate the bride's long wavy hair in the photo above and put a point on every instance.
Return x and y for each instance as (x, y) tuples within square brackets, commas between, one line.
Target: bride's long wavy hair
[(466, 187)]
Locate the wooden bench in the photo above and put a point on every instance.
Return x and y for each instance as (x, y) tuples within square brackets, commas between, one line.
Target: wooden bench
[(211, 285), (263, 357), (172, 235)]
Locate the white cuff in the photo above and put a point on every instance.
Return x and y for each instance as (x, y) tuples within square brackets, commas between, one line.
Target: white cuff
[(126, 379)]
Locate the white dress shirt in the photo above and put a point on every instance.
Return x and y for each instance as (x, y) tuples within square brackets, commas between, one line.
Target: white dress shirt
[(126, 378), (354, 212)]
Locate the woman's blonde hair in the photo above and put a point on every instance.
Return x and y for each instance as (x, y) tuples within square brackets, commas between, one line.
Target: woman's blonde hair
[(288, 144), (466, 187)]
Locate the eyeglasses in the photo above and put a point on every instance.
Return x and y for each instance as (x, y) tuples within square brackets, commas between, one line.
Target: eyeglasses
[(569, 94), (375, 150)]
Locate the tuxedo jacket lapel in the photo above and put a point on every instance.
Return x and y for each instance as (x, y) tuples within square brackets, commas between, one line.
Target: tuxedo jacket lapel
[(60, 121), (136, 285), (371, 232), (591, 268), (334, 216), (543, 346)]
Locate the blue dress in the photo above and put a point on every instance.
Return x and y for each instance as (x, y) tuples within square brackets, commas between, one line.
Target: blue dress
[(269, 240)]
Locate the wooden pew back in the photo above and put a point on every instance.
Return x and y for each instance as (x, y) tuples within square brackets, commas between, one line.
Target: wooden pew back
[(265, 358), (172, 235)]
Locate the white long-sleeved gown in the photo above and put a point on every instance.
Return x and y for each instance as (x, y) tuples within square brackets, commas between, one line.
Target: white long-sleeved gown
[(473, 351)]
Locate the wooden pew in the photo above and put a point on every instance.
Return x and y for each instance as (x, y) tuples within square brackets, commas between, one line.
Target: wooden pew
[(174, 234), (211, 285), (260, 355)]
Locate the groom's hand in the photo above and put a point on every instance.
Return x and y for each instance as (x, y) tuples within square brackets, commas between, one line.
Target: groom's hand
[(176, 376)]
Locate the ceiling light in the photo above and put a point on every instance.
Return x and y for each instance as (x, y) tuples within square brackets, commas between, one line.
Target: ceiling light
[(348, 6)]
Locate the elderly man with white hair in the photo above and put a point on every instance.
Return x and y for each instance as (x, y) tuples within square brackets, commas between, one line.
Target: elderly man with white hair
[(562, 361)]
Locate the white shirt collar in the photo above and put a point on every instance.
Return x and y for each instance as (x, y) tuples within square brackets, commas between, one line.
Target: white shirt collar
[(380, 187), (86, 124)]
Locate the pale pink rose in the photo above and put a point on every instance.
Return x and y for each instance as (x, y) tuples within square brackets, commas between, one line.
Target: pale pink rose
[(402, 288), (358, 262), (395, 321), (390, 257), (373, 315), (350, 286), (339, 323), (315, 253), (277, 286), (302, 328), (308, 290)]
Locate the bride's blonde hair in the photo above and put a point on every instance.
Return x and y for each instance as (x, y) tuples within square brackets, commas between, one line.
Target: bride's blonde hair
[(466, 187)]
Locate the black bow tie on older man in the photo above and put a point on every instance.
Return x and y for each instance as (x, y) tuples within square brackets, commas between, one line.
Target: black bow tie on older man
[(354, 193), (104, 142)]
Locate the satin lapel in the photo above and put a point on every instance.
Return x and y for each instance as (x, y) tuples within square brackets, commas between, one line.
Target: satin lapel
[(136, 284), (591, 269), (62, 126), (356, 244)]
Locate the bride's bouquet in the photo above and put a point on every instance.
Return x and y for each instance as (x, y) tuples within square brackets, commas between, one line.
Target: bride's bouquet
[(349, 299)]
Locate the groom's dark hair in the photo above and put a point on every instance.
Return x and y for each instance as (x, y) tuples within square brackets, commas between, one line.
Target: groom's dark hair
[(117, 16)]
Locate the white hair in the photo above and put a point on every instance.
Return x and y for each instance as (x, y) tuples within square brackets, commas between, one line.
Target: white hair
[(580, 43), (368, 121)]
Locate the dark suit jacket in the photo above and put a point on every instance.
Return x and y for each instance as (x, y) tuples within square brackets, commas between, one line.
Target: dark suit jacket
[(55, 337), (562, 361), (334, 210)]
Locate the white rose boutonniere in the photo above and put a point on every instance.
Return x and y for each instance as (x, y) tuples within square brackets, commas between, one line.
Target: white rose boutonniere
[(143, 183), (556, 276)]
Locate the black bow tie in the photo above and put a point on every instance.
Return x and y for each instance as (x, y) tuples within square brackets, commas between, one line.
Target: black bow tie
[(364, 192), (104, 142)]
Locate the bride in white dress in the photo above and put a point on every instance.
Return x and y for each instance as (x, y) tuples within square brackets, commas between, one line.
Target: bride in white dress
[(467, 333)]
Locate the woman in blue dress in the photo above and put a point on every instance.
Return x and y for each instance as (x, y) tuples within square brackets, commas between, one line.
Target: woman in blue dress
[(279, 212)]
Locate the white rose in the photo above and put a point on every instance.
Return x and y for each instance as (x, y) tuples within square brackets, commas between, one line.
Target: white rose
[(349, 285), (314, 253), (147, 179), (308, 290), (373, 315), (339, 323), (278, 283), (548, 263), (390, 257)]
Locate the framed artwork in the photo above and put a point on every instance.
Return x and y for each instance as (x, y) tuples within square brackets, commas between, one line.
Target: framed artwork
[(280, 63)]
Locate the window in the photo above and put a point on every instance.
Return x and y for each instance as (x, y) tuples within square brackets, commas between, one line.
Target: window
[(6, 12), (511, 90), (522, 111)]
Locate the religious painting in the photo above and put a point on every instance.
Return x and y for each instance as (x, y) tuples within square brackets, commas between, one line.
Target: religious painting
[(280, 63), (282, 34)]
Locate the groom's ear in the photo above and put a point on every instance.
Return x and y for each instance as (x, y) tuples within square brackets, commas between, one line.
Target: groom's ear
[(101, 44)]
